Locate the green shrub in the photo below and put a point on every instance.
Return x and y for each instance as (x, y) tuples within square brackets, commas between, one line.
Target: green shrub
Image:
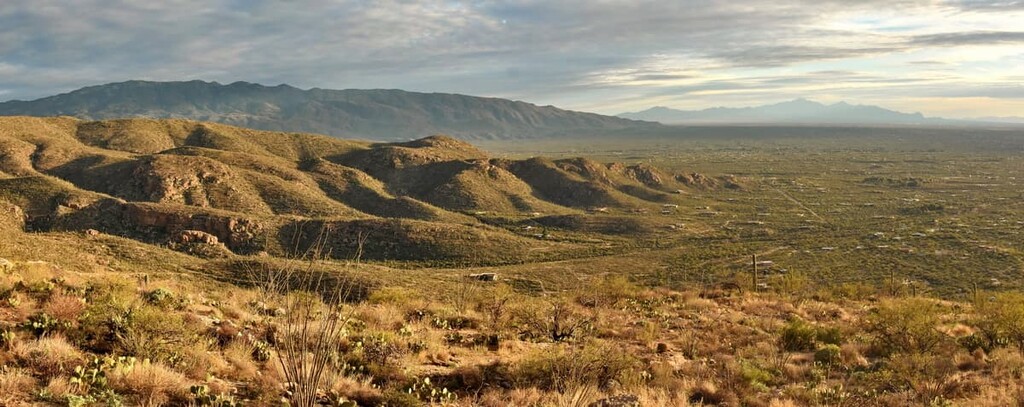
[(1000, 321), (143, 331), (607, 291), (380, 349), (161, 297), (755, 375), (798, 336), (906, 325), (829, 335), (980, 341), (828, 355)]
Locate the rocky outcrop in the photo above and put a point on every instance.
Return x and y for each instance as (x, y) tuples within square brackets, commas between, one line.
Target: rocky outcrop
[(198, 243), (160, 223), (12, 217), (697, 180), (238, 234), (195, 237), (645, 174), (179, 179)]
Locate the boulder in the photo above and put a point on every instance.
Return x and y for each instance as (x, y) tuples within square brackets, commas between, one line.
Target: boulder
[(195, 236), (484, 276)]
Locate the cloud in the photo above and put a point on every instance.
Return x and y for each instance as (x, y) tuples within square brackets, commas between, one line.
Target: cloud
[(988, 5), (578, 53), (970, 38)]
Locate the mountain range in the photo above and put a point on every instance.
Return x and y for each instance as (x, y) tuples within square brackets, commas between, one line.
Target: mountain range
[(377, 114), (799, 111)]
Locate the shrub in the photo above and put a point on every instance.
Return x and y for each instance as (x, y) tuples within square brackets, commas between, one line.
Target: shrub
[(798, 336), (906, 325), (563, 368), (143, 331), (607, 291), (979, 341), (1000, 321), (399, 399), (829, 335), (161, 297), (15, 386), (495, 304), (380, 349), (148, 333), (557, 320), (828, 355)]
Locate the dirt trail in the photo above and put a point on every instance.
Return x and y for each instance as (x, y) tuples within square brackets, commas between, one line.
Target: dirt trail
[(800, 204)]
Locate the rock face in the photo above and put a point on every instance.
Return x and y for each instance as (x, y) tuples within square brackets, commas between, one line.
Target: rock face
[(159, 223), (12, 218), (645, 174), (235, 233), (179, 179)]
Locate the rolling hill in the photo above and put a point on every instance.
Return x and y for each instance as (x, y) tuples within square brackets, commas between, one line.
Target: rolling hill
[(434, 199), (368, 114)]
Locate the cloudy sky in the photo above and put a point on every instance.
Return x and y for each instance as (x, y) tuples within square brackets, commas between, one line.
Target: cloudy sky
[(952, 58)]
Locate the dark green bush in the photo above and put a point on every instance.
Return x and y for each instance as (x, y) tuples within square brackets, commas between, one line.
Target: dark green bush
[(798, 336), (828, 355), (829, 335)]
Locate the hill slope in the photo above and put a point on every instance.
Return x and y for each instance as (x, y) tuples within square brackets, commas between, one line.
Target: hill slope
[(431, 199), (794, 111), (369, 114)]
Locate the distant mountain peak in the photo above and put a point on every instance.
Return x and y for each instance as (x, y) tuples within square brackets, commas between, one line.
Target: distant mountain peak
[(378, 114), (795, 111)]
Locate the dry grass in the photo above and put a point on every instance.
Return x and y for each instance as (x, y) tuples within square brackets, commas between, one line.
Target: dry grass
[(238, 353), (151, 384), (16, 387), (49, 355), (64, 307)]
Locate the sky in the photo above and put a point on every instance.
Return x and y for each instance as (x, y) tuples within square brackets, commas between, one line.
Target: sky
[(949, 58)]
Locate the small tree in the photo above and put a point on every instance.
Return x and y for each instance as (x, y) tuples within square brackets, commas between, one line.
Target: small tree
[(906, 326)]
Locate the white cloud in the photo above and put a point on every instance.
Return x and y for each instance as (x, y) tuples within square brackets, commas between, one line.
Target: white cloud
[(601, 55)]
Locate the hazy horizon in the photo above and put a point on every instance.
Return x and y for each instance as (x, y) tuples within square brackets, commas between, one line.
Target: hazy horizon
[(953, 59)]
